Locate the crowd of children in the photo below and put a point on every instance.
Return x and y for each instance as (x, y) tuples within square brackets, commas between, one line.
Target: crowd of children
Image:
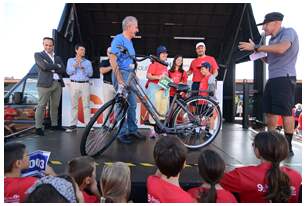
[(265, 182)]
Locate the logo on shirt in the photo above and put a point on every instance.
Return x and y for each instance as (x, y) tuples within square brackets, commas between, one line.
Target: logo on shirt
[(152, 199), (14, 198), (262, 188)]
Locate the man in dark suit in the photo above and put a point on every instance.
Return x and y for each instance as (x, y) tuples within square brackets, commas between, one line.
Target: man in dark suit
[(49, 85)]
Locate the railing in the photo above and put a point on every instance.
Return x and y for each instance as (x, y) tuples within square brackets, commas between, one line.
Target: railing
[(19, 132)]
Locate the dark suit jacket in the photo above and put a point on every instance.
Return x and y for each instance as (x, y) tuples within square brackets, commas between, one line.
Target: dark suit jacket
[(46, 68)]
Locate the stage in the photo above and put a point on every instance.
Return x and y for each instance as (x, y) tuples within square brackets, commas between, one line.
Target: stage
[(233, 144)]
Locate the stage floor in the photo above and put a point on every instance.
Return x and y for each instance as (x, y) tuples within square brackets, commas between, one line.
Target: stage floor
[(233, 144)]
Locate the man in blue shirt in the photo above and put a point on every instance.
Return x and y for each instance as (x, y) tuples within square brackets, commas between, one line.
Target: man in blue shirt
[(282, 52), (122, 66), (79, 69)]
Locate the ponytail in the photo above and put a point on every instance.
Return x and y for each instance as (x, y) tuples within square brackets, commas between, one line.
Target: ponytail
[(211, 168), (273, 147), (279, 184), (209, 196)]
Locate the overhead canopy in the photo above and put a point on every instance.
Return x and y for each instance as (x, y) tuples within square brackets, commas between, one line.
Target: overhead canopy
[(178, 26)]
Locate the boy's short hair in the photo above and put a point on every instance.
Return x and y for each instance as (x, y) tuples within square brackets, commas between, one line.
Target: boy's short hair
[(170, 156), (81, 167), (12, 152)]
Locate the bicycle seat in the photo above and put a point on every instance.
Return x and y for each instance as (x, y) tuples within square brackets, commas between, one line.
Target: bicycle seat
[(179, 87)]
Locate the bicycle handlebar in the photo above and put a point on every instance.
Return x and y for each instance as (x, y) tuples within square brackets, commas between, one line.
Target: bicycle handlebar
[(137, 59), (155, 58)]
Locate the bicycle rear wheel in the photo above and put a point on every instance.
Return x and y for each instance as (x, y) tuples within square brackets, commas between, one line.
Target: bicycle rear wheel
[(95, 142), (201, 126)]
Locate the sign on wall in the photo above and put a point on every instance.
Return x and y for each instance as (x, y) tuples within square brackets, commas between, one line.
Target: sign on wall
[(96, 96)]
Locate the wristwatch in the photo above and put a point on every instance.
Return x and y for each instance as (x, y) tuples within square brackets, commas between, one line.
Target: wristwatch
[(256, 47)]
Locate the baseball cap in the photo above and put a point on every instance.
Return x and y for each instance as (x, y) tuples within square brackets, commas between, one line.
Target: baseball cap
[(161, 49), (206, 65), (200, 44), (273, 16)]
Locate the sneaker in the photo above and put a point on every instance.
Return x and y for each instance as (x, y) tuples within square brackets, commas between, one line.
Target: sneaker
[(71, 128), (138, 135), (124, 139), (58, 128), (39, 132)]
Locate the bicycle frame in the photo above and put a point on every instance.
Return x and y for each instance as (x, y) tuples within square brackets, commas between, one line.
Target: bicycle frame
[(144, 99)]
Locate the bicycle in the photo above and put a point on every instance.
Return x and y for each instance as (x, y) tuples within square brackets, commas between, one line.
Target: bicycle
[(195, 120)]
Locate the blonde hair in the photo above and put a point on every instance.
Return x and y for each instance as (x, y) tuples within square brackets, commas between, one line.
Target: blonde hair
[(115, 182)]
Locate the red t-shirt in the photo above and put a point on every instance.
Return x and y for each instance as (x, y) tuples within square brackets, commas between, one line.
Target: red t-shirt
[(156, 69), (177, 77), (204, 85), (160, 191), (249, 182), (90, 198), (15, 188), (195, 67), (223, 196)]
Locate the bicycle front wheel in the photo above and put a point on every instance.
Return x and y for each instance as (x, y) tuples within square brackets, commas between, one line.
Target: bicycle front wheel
[(200, 125), (109, 118)]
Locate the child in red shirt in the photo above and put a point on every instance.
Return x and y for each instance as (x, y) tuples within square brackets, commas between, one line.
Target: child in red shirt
[(266, 182), (163, 187), (157, 95), (16, 159), (211, 168), (83, 170), (177, 74), (207, 88), (208, 81)]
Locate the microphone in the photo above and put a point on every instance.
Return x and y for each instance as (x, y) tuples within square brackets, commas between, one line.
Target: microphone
[(263, 37)]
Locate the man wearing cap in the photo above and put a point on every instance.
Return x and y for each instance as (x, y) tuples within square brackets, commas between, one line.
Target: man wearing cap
[(195, 66), (122, 66), (282, 51)]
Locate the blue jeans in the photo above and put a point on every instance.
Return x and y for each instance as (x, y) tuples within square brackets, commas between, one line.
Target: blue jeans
[(129, 126)]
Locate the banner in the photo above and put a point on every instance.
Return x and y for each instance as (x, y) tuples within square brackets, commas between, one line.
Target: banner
[(97, 89), (37, 163)]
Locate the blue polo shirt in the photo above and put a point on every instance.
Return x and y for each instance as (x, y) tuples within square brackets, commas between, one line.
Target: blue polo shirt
[(78, 74), (123, 60), (281, 65)]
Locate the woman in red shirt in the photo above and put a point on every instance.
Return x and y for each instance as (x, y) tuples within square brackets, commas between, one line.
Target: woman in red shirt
[(211, 168), (177, 74), (266, 182)]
